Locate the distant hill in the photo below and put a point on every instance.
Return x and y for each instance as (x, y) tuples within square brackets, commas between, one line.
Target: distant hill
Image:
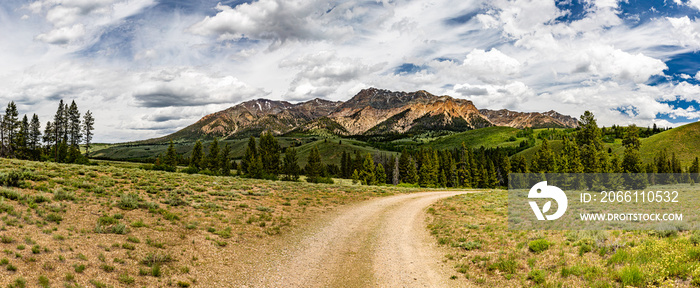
[(371, 112), (490, 137), (683, 140), (549, 119)]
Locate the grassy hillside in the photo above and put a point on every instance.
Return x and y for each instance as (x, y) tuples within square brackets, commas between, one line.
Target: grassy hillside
[(332, 150), (684, 141), (108, 226), (554, 145), (488, 137)]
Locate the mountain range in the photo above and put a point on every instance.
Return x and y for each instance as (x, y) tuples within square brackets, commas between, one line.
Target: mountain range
[(371, 112)]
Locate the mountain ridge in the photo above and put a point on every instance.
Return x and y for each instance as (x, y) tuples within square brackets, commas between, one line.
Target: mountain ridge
[(372, 111)]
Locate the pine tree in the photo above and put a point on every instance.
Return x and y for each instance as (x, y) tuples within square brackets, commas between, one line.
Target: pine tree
[(49, 136), (355, 177), (412, 171), (367, 175), (492, 179), (34, 137), (88, 126), (250, 154), (170, 156), (463, 168), (256, 170), (570, 158), (21, 141), (196, 157), (543, 161), (694, 170), (212, 159), (632, 160), (59, 125), (74, 129), (10, 125), (270, 153), (314, 168), (225, 161), (290, 165), (61, 152), (428, 171), (380, 174), (407, 168), (357, 161), (589, 134), (675, 164), (590, 159), (519, 164)]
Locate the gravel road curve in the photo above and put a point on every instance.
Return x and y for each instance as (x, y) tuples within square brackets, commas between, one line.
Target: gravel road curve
[(377, 243)]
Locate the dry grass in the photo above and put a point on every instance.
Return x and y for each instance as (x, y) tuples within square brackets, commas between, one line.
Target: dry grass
[(483, 252), (102, 226)]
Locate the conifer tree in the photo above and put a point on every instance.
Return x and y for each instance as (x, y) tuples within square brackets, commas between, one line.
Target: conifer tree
[(355, 177), (197, 154), (428, 171), (543, 161), (256, 170), (675, 164), (61, 152), (249, 158), (225, 161), (10, 125), (34, 139), (590, 159), (570, 158), (21, 139), (59, 125), (519, 164), (314, 168), (632, 160), (412, 176), (380, 174), (49, 136), (367, 175), (694, 170), (212, 159), (170, 156), (290, 165), (270, 153), (407, 168), (589, 134), (492, 179), (73, 125), (88, 126)]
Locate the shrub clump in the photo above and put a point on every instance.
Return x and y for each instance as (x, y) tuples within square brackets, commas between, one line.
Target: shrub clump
[(539, 245), (129, 201)]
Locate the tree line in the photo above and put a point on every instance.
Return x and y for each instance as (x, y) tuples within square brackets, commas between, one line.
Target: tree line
[(60, 141), (582, 151)]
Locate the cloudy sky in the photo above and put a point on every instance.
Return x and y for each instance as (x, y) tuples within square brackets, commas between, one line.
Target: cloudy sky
[(146, 68)]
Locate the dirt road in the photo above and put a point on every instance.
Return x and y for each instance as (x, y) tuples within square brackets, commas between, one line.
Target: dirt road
[(378, 243)]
